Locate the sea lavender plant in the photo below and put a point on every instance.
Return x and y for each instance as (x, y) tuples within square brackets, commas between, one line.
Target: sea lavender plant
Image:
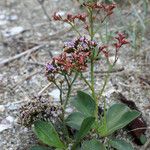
[(89, 127)]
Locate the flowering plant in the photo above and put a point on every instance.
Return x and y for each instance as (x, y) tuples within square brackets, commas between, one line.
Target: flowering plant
[(91, 123)]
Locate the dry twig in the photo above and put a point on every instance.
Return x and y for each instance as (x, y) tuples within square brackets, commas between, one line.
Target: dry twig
[(113, 71), (47, 86), (42, 90), (10, 59)]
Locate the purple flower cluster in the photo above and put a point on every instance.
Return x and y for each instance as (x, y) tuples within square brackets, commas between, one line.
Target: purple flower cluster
[(50, 67), (81, 43), (70, 44), (74, 57)]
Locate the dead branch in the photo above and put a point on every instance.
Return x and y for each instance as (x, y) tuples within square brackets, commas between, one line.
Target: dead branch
[(46, 87), (42, 90), (10, 59), (113, 71), (29, 51)]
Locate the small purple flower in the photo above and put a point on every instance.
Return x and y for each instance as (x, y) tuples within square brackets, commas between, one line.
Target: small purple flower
[(70, 44), (49, 67), (84, 45), (82, 39), (93, 43)]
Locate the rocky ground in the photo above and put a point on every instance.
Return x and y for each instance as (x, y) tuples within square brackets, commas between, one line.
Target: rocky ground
[(26, 29)]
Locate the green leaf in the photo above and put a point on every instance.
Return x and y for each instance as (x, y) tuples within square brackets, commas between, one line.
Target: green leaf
[(85, 127), (47, 134), (39, 148), (92, 145), (75, 120), (143, 139), (117, 117), (84, 103), (120, 144)]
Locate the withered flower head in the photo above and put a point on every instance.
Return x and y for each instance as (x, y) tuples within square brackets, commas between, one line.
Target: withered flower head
[(121, 40), (104, 50), (36, 110), (70, 17), (57, 16), (108, 8)]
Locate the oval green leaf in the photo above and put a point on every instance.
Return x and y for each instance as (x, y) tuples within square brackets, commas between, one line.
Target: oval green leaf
[(120, 144), (47, 134), (74, 120), (143, 139), (92, 145), (84, 103), (85, 127), (117, 117)]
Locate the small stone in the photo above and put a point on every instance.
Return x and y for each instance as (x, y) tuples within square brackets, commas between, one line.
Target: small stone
[(109, 91), (25, 130), (13, 18), (13, 31), (69, 110), (10, 119), (12, 106), (55, 94), (3, 22), (2, 16), (4, 127), (2, 108)]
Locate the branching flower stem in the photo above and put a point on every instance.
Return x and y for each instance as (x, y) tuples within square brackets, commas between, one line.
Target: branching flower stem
[(74, 28), (64, 104), (105, 81), (85, 80), (69, 89), (63, 112), (90, 11)]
